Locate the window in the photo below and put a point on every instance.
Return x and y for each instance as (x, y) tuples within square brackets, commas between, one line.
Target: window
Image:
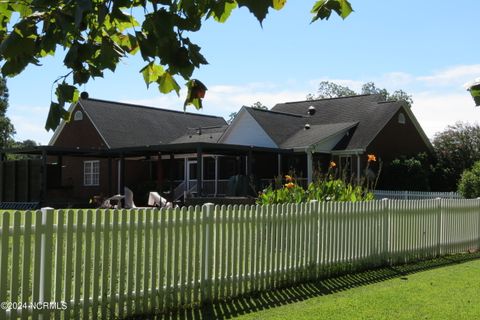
[(401, 118), (78, 116), (91, 173)]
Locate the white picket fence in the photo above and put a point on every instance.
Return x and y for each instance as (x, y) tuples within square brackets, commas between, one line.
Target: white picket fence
[(105, 264), (414, 195)]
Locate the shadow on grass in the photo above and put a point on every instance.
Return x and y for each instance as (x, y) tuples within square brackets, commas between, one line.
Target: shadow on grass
[(274, 298)]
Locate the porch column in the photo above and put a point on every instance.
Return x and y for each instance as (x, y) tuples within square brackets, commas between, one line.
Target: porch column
[(199, 171), (309, 166), (170, 175), (110, 177), (279, 164), (358, 168), (27, 179), (121, 175), (249, 163), (216, 175), (43, 189)]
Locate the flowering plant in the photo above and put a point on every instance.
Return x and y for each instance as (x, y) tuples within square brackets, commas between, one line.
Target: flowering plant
[(327, 187)]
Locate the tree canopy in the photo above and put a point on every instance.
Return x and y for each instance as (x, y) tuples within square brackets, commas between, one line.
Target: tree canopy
[(97, 34), (328, 89), (457, 148), (7, 129)]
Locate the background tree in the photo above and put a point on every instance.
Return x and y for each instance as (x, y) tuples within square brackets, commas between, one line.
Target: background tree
[(397, 95), (24, 144), (98, 34), (457, 148), (7, 129), (327, 89)]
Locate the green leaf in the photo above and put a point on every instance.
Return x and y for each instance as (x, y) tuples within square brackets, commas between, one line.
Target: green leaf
[(55, 114), (81, 8), (279, 4), (259, 8), (222, 10), (66, 93), (151, 72), (323, 9), (167, 84)]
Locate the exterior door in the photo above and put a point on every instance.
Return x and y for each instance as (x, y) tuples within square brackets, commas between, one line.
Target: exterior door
[(192, 175)]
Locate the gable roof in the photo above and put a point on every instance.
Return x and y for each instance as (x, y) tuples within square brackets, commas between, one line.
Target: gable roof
[(370, 111), (128, 125), (316, 134), (279, 126)]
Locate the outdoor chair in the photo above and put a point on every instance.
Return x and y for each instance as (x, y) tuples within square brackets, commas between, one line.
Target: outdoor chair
[(129, 204), (155, 199)]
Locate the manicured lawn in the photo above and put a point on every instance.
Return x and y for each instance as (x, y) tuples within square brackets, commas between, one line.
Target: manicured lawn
[(451, 291)]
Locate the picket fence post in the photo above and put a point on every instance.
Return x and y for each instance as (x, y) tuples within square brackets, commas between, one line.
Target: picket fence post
[(439, 227), (45, 282), (386, 233), (208, 210)]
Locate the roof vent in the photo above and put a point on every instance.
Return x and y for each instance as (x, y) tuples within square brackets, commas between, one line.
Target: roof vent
[(84, 95), (307, 126), (311, 110)]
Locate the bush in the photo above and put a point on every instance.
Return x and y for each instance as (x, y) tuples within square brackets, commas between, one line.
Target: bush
[(469, 185)]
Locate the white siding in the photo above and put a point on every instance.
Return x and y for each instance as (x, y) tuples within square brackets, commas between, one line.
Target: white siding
[(246, 131)]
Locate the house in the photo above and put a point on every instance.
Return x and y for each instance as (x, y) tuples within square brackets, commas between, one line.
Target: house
[(108, 145)]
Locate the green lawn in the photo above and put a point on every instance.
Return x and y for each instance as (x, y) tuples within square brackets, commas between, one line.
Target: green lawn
[(448, 292)]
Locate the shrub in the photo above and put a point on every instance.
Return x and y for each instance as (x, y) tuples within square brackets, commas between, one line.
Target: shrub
[(469, 185)]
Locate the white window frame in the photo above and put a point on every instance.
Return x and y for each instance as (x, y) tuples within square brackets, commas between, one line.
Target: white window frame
[(78, 116), (91, 173)]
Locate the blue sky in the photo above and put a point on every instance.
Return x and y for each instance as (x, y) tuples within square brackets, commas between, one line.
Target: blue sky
[(427, 48)]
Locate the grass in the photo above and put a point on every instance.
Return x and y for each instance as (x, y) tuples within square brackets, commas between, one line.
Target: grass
[(444, 288), (446, 293)]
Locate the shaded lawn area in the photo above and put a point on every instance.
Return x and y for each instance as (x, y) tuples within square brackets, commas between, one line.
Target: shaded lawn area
[(451, 292), (444, 288)]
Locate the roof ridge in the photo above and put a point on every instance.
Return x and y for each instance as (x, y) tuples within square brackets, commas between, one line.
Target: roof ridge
[(277, 112), (335, 98), (149, 107)]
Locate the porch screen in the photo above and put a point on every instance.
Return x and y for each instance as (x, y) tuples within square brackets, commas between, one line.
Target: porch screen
[(91, 173)]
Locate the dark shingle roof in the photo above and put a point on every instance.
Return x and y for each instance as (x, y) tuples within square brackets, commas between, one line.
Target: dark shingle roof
[(202, 134), (126, 125), (370, 111), (280, 126), (316, 133)]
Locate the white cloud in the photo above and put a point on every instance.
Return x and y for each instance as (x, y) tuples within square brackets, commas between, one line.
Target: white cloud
[(436, 110), (456, 75)]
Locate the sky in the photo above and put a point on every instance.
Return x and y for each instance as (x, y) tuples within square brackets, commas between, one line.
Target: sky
[(427, 48)]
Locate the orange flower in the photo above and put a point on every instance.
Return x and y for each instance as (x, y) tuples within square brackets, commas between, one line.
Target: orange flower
[(371, 157), (289, 185), (288, 178), (332, 165)]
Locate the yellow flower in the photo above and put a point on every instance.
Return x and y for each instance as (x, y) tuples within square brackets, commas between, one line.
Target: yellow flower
[(371, 157), (289, 185), (332, 165), (288, 178)]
